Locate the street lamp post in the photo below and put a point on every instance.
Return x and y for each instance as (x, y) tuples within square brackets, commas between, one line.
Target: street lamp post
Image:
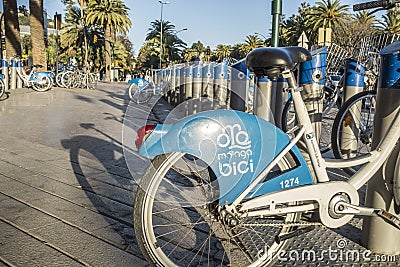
[(161, 30)]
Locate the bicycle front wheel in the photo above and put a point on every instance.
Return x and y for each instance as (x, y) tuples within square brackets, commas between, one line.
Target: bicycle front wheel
[(178, 221), (353, 127), (139, 96), (42, 84)]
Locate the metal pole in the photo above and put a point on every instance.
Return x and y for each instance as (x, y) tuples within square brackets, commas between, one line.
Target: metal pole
[(161, 30), (56, 23), (276, 16)]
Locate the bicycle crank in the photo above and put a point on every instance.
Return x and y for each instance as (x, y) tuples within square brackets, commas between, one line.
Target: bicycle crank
[(340, 207)]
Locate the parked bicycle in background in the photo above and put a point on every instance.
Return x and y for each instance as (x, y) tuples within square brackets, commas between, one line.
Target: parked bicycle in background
[(40, 81)]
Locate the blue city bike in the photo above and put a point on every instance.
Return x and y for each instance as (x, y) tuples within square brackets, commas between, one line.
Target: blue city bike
[(226, 188)]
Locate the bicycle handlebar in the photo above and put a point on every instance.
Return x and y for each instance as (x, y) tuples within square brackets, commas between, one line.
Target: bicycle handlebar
[(386, 4)]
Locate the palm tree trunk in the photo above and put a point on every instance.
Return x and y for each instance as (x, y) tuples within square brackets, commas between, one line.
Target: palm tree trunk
[(11, 27), (108, 52), (37, 33)]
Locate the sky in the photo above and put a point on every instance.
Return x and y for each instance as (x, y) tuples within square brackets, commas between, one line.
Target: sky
[(212, 22)]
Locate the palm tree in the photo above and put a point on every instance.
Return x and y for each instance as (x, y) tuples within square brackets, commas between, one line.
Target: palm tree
[(391, 21), (11, 28), (327, 14), (172, 44), (37, 32), (223, 52), (252, 42), (71, 34), (112, 16)]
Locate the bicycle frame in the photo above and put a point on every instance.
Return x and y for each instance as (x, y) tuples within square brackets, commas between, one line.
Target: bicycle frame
[(320, 190)]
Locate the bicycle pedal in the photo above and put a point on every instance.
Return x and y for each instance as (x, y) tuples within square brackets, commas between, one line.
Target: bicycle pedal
[(388, 217), (294, 233)]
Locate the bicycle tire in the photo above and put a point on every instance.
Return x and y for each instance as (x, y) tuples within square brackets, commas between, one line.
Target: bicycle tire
[(2, 88), (182, 228), (43, 85), (347, 129), (139, 96), (289, 121)]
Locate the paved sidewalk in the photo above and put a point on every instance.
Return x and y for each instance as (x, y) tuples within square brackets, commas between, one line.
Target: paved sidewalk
[(66, 192)]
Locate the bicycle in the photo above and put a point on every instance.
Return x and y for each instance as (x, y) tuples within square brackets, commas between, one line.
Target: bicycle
[(242, 204), (141, 90), (40, 81)]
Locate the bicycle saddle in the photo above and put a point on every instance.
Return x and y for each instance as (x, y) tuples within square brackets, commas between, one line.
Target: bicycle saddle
[(270, 61), (37, 66)]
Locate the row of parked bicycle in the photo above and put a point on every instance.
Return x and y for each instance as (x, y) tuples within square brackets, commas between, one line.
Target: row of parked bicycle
[(68, 77)]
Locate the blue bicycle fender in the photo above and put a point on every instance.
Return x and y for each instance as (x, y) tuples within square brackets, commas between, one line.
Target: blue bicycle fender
[(236, 145)]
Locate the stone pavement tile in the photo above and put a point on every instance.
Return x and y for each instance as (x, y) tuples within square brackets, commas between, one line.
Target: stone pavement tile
[(19, 249), (88, 247), (23, 215), (50, 195)]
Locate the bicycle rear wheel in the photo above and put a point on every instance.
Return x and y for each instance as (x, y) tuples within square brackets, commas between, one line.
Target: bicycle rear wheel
[(353, 127), (42, 84), (178, 221), (139, 96)]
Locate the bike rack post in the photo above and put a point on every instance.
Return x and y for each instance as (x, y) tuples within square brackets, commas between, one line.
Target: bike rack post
[(353, 84), (312, 79), (177, 83), (281, 98), (182, 93), (264, 99), (377, 235), (207, 90), (171, 84), (196, 89), (13, 74), (4, 67), (221, 84), (240, 81), (19, 80)]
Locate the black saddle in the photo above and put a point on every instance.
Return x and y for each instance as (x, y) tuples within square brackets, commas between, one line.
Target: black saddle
[(271, 61), (37, 66)]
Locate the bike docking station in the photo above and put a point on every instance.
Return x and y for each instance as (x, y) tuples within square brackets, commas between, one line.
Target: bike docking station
[(13, 74), (4, 68), (383, 189), (353, 84)]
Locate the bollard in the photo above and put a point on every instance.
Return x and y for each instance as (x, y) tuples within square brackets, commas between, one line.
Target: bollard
[(19, 80), (281, 98), (353, 84), (377, 235), (13, 74), (312, 79), (264, 100), (221, 85), (240, 82), (4, 68)]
